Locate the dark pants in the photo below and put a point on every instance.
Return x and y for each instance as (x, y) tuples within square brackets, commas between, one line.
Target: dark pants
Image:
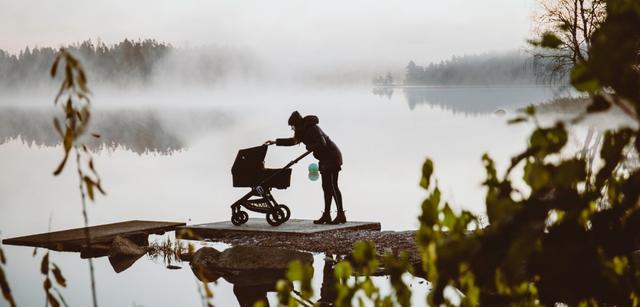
[(331, 190)]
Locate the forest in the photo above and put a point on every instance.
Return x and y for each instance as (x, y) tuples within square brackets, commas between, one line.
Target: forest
[(506, 68), (128, 63)]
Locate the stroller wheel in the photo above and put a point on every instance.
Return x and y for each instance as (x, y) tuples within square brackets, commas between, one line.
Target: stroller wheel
[(276, 218), (240, 218), (284, 210)]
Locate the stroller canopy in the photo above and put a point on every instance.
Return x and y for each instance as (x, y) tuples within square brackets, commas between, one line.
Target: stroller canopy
[(248, 170), (249, 160)]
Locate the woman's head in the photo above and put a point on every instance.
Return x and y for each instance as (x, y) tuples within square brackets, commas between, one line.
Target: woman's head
[(295, 119)]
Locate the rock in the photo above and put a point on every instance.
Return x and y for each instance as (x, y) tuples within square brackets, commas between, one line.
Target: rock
[(124, 253), (249, 266), (240, 258), (245, 265), (203, 264), (205, 256), (185, 256), (121, 263), (124, 247), (252, 278)]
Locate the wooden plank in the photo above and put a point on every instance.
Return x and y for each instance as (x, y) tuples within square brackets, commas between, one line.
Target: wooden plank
[(74, 239), (293, 227)]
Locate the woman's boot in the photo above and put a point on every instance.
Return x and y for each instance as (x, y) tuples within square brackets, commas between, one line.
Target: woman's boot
[(324, 219), (340, 218)]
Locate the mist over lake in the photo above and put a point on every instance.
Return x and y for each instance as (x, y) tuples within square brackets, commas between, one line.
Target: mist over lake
[(133, 114)]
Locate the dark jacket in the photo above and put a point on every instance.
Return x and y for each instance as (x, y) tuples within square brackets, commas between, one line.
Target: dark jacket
[(324, 149)]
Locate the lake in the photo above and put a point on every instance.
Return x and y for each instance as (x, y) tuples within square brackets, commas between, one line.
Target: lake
[(167, 155)]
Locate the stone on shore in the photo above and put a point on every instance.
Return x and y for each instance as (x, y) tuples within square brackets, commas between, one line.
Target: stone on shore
[(123, 253), (121, 246), (239, 258), (245, 265)]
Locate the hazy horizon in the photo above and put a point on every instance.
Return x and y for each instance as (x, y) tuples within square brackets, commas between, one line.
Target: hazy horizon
[(314, 36)]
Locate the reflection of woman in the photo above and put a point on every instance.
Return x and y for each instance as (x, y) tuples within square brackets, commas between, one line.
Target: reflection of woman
[(329, 157)]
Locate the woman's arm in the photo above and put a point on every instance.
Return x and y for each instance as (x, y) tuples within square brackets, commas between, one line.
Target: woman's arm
[(287, 142)]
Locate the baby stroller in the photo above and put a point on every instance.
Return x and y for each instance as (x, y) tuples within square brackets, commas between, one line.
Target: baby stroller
[(248, 171)]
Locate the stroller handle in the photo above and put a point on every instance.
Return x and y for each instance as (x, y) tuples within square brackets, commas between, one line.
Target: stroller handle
[(298, 159), (286, 166)]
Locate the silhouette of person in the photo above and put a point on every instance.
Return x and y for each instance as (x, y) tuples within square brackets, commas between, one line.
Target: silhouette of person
[(328, 291), (307, 131)]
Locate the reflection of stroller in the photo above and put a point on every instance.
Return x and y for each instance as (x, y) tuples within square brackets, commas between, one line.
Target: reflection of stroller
[(248, 171)]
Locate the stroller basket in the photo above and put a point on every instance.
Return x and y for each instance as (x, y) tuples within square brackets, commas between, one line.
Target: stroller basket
[(248, 170)]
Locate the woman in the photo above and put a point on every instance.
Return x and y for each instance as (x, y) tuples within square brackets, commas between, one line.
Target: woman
[(306, 130)]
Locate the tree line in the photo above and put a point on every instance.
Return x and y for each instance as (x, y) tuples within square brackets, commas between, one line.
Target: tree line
[(512, 68), (129, 62)]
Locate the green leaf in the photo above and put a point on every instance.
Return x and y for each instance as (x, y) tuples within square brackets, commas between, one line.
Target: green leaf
[(499, 206), (530, 110), (550, 40), (343, 270), (427, 171), (260, 303), (369, 288), (536, 176), (429, 215), (569, 173), (295, 271), (583, 79), (298, 271), (548, 141), (612, 153), (489, 165), (449, 219)]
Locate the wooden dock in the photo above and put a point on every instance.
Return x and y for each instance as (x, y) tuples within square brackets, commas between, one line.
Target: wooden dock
[(259, 226), (75, 239)]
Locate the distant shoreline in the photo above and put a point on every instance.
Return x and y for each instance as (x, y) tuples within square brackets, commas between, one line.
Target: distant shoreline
[(463, 86)]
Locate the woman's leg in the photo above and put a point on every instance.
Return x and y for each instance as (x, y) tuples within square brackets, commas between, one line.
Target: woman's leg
[(328, 195), (337, 195), (327, 189)]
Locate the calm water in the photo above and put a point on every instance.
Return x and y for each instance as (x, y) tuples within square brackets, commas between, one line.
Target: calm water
[(168, 157)]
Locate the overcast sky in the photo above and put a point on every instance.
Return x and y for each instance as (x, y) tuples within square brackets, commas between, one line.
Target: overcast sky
[(297, 32)]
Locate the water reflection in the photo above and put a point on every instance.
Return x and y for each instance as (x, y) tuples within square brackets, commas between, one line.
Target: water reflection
[(383, 91), (469, 100), (137, 130), (252, 270), (328, 291)]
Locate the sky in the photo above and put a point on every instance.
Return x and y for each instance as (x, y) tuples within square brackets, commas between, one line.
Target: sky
[(313, 34)]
